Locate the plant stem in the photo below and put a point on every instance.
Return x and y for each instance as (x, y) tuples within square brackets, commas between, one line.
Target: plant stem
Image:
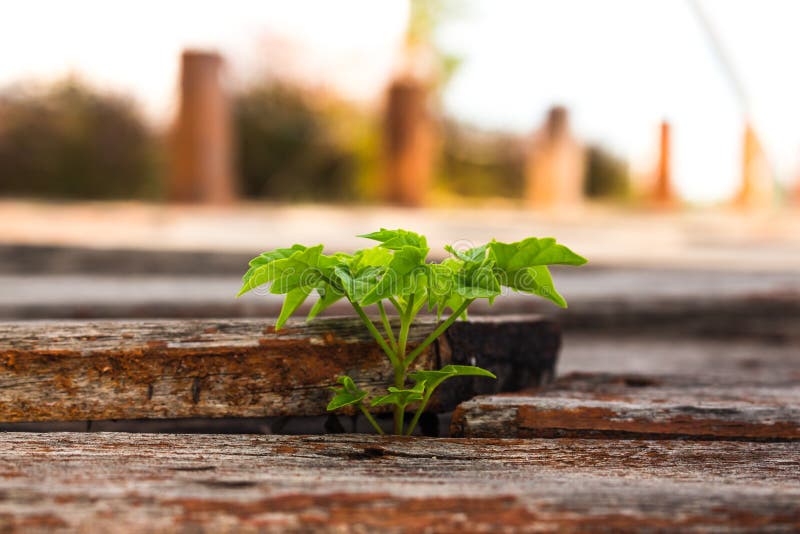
[(371, 419), (399, 415), (394, 358), (400, 368), (418, 414), (408, 360), (386, 326), (405, 324)]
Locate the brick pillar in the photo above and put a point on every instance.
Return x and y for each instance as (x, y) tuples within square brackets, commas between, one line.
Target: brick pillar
[(202, 169), (409, 133), (757, 187), (554, 170), (663, 194)]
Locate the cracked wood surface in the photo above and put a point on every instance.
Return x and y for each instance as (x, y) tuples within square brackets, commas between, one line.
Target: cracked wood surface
[(155, 482), (640, 407), (78, 370)]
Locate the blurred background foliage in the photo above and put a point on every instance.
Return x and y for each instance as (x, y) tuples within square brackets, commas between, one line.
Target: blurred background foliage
[(67, 140), (290, 149), (478, 163), (426, 16), (607, 175)]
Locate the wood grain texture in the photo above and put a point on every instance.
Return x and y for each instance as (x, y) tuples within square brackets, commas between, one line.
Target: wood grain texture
[(356, 483), (53, 283), (51, 371), (638, 407)]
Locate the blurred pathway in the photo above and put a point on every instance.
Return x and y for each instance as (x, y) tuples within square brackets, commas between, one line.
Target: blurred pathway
[(704, 239), (689, 273)]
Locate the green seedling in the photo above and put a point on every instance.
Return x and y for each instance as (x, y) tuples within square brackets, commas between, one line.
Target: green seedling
[(396, 273)]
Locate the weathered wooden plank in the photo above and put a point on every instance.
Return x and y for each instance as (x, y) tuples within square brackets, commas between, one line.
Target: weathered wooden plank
[(724, 361), (630, 406), (53, 283), (357, 483), (238, 368)]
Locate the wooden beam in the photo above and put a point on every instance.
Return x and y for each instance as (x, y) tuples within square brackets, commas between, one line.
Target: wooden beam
[(157, 482), (63, 371), (636, 407)]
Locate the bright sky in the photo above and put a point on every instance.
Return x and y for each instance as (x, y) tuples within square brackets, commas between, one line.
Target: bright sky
[(619, 65)]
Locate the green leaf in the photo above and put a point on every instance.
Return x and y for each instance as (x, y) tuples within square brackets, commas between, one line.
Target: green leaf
[(397, 239), (407, 259), (537, 280), (277, 254), (258, 263), (400, 278), (454, 303), (432, 379), (346, 395), (301, 269), (442, 284), (293, 300), (471, 255), (371, 257), (467, 370), (531, 252), (301, 266), (475, 277), (478, 281), (327, 296), (357, 287), (401, 397), (420, 290), (522, 266)]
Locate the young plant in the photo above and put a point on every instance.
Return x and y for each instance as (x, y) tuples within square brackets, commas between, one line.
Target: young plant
[(396, 273)]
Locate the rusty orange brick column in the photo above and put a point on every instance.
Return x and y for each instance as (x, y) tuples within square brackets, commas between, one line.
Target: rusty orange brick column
[(663, 194), (757, 188), (202, 168), (554, 170), (409, 137)]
